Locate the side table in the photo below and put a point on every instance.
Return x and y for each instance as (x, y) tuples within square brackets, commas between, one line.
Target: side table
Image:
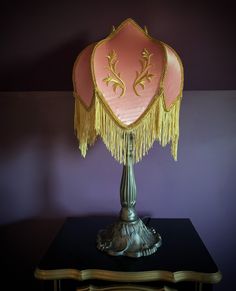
[(181, 263)]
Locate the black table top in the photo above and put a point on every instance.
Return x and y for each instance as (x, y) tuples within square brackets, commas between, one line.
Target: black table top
[(182, 256)]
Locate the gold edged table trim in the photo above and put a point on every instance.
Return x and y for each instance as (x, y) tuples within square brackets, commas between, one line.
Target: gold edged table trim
[(145, 276)]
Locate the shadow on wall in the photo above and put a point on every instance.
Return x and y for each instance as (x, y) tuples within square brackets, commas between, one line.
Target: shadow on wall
[(21, 116), (29, 75), (30, 125), (35, 114)]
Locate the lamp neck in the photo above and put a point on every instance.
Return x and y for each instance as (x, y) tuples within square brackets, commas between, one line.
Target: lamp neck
[(128, 186)]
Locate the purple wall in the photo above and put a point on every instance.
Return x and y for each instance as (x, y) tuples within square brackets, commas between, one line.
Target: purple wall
[(42, 174)]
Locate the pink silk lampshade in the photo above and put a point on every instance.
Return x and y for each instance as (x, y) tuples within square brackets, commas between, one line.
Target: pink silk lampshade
[(128, 83)]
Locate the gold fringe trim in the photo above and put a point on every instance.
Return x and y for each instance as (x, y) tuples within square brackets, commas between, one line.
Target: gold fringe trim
[(156, 124), (84, 125)]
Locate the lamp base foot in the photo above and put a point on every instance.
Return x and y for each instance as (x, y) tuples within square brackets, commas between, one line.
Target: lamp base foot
[(131, 239)]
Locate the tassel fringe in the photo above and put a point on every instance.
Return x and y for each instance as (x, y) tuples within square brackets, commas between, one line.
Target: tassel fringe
[(157, 124), (84, 126)]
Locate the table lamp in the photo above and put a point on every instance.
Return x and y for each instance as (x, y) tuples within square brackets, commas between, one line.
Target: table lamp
[(128, 90)]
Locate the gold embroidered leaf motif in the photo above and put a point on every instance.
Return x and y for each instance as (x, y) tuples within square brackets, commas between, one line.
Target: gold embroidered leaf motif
[(114, 76), (144, 75)]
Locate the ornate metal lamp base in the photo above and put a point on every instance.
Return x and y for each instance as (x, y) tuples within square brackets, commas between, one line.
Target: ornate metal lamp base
[(131, 239)]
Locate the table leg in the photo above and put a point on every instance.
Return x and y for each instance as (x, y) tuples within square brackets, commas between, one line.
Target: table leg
[(198, 286), (57, 285)]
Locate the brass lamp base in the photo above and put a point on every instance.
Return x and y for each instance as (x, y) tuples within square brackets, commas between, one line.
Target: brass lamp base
[(131, 239)]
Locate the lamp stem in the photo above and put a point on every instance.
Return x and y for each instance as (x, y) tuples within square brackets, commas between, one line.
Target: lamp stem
[(128, 190)]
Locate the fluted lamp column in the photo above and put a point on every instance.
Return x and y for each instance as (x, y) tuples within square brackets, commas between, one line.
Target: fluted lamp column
[(128, 190), (128, 90)]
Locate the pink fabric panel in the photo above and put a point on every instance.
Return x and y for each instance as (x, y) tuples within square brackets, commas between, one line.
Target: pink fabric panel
[(82, 76), (172, 81), (128, 43)]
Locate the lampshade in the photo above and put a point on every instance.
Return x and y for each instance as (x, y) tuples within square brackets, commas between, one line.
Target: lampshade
[(128, 90), (128, 83)]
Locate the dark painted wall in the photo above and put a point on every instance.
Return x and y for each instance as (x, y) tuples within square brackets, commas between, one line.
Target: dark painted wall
[(41, 39)]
